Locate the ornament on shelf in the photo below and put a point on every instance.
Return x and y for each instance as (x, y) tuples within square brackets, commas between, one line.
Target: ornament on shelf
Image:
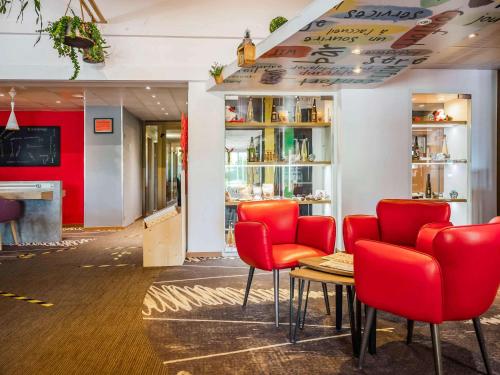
[(453, 194), (444, 149), (304, 152), (428, 187), (246, 51), (230, 235), (298, 111)]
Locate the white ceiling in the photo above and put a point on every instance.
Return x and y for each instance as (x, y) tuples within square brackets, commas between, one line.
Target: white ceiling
[(138, 100)]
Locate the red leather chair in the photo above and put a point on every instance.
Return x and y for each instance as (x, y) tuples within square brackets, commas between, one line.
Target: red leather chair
[(457, 279), (271, 236), (409, 223)]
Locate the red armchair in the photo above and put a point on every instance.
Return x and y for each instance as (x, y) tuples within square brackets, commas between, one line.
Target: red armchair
[(430, 287), (405, 222), (271, 236)]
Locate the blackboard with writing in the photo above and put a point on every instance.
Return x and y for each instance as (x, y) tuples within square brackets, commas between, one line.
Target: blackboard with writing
[(30, 146)]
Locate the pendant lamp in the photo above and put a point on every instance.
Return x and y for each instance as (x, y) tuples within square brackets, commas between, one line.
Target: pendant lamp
[(12, 122)]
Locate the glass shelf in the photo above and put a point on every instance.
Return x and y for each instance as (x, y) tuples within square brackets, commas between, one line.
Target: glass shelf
[(270, 125), (438, 162), (280, 164), (318, 201)]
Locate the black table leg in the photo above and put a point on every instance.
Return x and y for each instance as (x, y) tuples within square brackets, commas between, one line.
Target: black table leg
[(338, 306), (358, 324), (299, 307), (350, 304)]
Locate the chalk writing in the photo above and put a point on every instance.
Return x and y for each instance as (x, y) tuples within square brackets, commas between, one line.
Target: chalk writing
[(386, 13), (287, 51)]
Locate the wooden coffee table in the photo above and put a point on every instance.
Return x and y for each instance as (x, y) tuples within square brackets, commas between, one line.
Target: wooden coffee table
[(313, 271)]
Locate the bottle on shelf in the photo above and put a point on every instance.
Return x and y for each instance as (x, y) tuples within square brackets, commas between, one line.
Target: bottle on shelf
[(274, 114), (298, 111), (250, 110), (252, 152), (314, 112), (428, 187), (230, 235), (415, 150), (296, 152)]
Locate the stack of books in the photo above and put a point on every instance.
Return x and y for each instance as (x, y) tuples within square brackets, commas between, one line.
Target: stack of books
[(340, 261)]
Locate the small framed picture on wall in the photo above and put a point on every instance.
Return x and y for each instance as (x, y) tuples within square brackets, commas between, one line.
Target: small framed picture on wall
[(103, 125)]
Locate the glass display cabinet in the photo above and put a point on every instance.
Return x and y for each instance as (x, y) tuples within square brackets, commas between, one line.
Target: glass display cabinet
[(440, 151), (277, 147)]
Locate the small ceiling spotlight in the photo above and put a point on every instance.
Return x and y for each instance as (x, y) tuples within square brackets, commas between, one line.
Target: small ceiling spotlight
[(79, 96), (2, 94), (473, 35), (357, 70), (162, 108), (158, 103), (356, 51), (424, 21), (148, 88), (58, 102), (153, 96), (166, 113)]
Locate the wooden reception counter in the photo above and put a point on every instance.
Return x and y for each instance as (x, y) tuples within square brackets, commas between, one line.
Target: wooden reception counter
[(42, 219)]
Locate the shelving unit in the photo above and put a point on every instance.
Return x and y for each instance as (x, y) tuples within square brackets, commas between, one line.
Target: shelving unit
[(288, 159), (440, 151)]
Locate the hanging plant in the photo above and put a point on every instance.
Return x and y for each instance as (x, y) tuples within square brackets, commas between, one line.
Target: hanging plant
[(71, 36), (276, 23), (97, 53), (6, 7)]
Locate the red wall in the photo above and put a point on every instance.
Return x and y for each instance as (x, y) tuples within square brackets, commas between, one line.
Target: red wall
[(70, 172)]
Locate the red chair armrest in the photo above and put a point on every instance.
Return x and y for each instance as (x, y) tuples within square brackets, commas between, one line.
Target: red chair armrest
[(254, 244), (318, 232), (400, 281), (359, 227), (426, 235)]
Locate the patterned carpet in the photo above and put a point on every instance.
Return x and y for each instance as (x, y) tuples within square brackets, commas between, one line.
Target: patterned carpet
[(193, 316)]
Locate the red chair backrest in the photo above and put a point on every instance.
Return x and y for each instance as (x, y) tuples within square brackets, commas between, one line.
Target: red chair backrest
[(401, 219), (280, 217), (469, 257), (495, 220)]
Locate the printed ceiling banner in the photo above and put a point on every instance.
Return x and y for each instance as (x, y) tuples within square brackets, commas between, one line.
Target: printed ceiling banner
[(363, 43)]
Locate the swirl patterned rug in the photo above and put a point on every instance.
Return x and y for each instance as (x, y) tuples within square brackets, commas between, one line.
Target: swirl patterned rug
[(193, 317)]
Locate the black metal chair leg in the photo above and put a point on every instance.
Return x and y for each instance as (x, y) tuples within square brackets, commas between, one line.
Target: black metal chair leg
[(482, 344), (276, 277), (372, 342), (292, 290), (436, 347), (358, 320), (299, 306), (352, 322), (303, 321), (338, 306), (409, 329), (249, 283), (366, 335), (325, 296)]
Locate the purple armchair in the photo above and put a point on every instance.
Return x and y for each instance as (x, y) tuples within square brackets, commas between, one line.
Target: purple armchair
[(10, 211)]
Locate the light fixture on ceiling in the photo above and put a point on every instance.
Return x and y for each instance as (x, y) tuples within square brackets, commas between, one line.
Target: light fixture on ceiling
[(12, 122), (78, 96), (58, 102), (153, 96), (422, 105), (356, 51), (162, 108), (158, 103), (148, 88), (424, 21), (357, 70), (2, 94), (166, 113), (473, 35)]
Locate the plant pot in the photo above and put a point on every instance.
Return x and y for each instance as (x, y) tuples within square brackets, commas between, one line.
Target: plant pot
[(89, 60), (219, 79), (77, 41)]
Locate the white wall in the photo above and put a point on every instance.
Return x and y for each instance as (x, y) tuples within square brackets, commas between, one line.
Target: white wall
[(132, 168), (375, 139), (103, 204), (149, 39), (205, 170)]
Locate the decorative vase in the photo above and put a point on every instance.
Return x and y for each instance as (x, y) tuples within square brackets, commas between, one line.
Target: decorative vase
[(250, 110), (304, 152), (298, 111), (218, 79), (444, 149), (230, 235)]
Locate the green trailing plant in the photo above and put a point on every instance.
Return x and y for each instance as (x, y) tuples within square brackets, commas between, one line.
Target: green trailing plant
[(70, 26), (276, 23), (97, 53), (6, 7), (216, 69)]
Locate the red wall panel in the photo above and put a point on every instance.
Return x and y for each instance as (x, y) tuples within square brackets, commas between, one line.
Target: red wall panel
[(70, 172)]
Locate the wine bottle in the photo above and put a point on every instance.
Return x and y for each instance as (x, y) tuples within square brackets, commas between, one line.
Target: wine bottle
[(415, 152), (252, 155), (314, 112), (250, 110), (428, 187)]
